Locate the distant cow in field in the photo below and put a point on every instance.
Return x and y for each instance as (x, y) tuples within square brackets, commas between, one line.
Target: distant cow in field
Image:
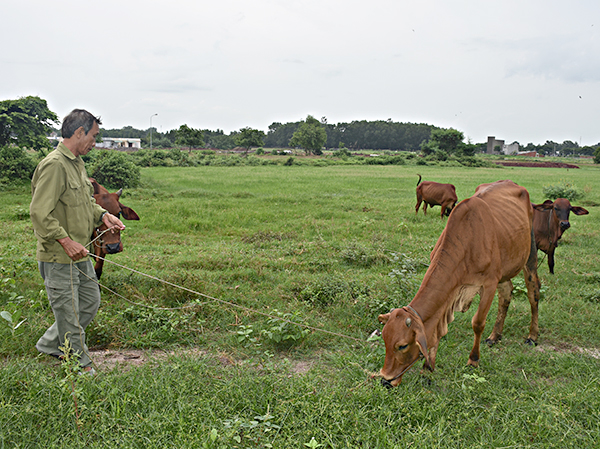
[(108, 242), (435, 194), (550, 221), (487, 241)]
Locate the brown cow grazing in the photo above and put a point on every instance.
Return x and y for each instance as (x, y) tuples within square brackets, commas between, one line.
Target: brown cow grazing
[(487, 241), (435, 194), (550, 221), (108, 242)]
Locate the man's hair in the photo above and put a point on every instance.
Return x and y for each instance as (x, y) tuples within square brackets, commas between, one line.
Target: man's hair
[(76, 119)]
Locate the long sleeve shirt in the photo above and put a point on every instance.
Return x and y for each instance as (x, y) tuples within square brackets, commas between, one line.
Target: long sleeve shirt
[(62, 204)]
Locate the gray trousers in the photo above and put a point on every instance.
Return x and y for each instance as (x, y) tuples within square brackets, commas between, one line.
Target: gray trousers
[(74, 299)]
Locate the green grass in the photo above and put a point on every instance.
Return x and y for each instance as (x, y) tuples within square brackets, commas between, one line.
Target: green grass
[(320, 244)]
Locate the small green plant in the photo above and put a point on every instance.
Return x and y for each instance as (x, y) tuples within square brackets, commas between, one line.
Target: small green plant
[(471, 377), (12, 318), (246, 335), (404, 275), (251, 433), (282, 331), (313, 443), (72, 369), (323, 292)]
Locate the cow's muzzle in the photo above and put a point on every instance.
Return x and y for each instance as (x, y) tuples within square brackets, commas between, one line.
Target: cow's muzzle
[(564, 225), (113, 248)]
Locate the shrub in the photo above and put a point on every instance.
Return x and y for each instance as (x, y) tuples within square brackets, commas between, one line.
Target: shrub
[(113, 169), (15, 164), (563, 190)]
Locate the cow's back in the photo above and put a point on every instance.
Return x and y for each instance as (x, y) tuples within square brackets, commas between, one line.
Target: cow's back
[(489, 231)]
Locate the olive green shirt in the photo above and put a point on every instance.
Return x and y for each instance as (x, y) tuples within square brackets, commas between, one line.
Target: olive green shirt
[(62, 205)]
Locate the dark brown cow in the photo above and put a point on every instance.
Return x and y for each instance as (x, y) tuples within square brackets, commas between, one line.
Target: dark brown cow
[(550, 221), (435, 194), (487, 241), (108, 242)]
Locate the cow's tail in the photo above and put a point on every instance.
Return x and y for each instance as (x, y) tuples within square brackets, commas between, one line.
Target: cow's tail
[(419, 182)]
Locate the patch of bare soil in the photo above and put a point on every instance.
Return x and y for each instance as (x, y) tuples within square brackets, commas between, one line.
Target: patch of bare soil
[(567, 348), (125, 359), (545, 164)]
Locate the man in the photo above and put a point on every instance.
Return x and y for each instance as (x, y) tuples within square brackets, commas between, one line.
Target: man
[(64, 214)]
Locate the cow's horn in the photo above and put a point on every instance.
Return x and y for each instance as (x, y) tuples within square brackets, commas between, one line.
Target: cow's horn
[(408, 322), (120, 192)]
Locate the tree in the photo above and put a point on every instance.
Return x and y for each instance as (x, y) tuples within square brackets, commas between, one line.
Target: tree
[(248, 137), (597, 156), (310, 135), (189, 137), (444, 141), (26, 123)]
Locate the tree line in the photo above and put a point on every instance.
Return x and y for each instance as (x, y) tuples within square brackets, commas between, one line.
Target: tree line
[(26, 122)]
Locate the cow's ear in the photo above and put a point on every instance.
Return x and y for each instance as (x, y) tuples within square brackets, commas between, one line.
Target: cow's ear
[(383, 318), (128, 213), (546, 205), (579, 210)]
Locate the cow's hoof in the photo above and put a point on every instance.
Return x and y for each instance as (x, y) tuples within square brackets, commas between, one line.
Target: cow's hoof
[(530, 342), (386, 383), (491, 342)]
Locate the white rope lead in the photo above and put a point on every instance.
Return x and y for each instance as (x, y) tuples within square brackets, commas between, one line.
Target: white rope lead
[(222, 301)]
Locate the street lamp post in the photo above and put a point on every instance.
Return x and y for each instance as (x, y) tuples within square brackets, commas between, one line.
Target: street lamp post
[(151, 129)]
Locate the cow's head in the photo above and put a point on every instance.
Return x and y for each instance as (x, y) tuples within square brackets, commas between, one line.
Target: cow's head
[(111, 203), (110, 241), (561, 207), (405, 343)]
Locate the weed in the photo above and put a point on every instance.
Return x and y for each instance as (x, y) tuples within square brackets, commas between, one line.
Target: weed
[(12, 319), (251, 433), (282, 331), (404, 276), (324, 291)]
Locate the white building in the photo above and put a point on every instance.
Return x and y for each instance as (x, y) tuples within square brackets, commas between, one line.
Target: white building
[(119, 142)]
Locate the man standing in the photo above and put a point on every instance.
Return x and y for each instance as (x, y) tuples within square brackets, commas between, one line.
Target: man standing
[(64, 214)]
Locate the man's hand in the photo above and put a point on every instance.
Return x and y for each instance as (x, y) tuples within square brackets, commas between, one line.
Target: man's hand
[(73, 249), (112, 222)]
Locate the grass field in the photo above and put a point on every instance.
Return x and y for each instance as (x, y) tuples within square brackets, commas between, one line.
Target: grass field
[(330, 248)]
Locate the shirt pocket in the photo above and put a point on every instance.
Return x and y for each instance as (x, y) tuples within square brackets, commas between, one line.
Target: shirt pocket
[(75, 193)]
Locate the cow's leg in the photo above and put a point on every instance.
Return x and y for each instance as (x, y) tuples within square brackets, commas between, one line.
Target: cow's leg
[(419, 201), (478, 321), (532, 282), (432, 354), (425, 207), (504, 297), (99, 263), (444, 206), (551, 260)]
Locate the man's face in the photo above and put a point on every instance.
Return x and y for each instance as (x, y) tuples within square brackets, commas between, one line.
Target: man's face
[(85, 142)]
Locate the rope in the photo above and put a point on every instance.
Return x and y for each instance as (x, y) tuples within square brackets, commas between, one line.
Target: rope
[(222, 301)]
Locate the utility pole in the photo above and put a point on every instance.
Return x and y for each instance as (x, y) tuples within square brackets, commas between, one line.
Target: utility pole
[(151, 129)]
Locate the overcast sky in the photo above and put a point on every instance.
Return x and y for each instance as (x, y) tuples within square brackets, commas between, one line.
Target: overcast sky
[(519, 70)]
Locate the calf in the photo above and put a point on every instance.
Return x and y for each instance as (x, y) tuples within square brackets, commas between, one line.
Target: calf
[(487, 241), (435, 194), (108, 242), (550, 221)]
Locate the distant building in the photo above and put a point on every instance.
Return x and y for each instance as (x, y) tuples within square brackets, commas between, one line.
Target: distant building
[(119, 143), (494, 143)]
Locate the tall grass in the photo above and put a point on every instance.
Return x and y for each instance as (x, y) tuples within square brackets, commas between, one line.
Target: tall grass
[(328, 247)]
